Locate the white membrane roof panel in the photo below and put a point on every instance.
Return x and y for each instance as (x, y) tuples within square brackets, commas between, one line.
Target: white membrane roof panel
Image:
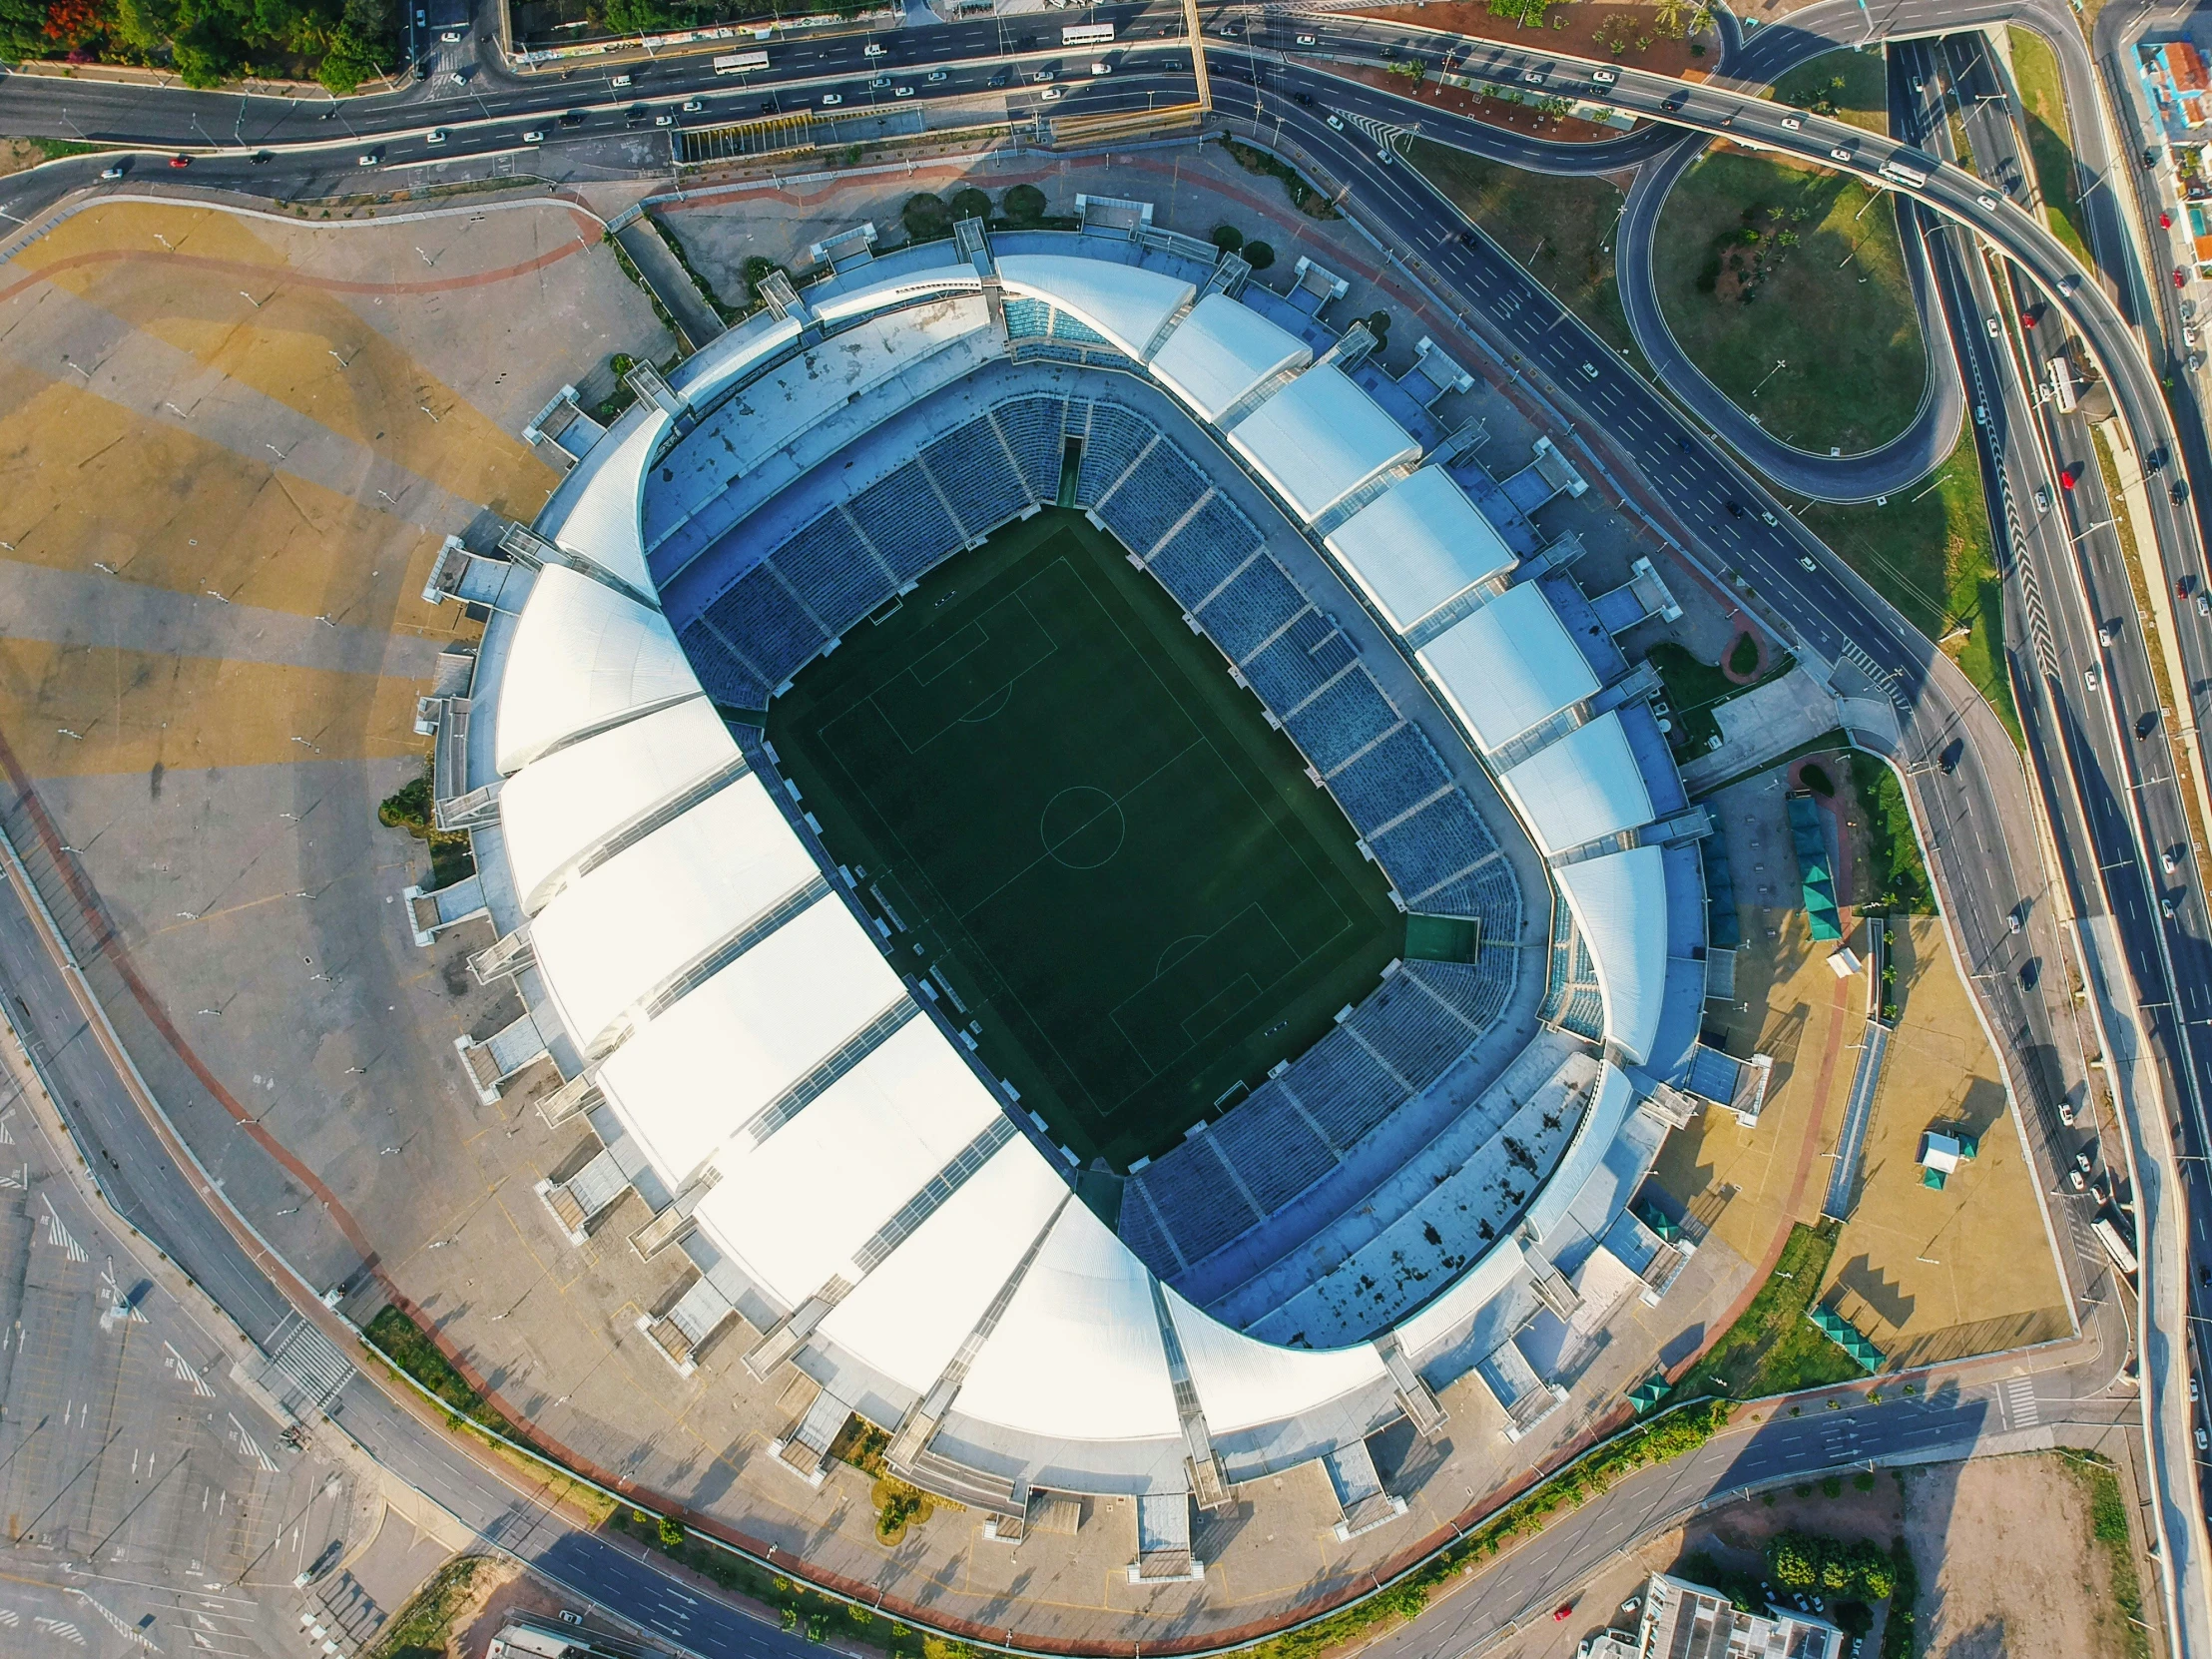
[(1221, 351), (1508, 665), (1241, 1383), (1620, 903), (910, 1314), (652, 909), (1585, 1154), (603, 522), (582, 657), (1418, 546), (1078, 1355), (795, 1208), (559, 808), (1124, 302), (1584, 785), (1320, 439), (907, 284), (709, 1063)]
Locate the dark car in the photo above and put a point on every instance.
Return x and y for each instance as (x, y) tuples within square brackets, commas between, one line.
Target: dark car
[(573, 117), (262, 158), (997, 80), (2177, 491), (1304, 98), (1675, 102), (1735, 508)]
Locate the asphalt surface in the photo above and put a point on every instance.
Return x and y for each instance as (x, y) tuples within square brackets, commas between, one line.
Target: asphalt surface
[(1976, 811)]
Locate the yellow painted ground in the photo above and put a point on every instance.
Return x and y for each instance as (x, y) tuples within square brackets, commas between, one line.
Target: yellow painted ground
[(130, 709), (279, 340), (1925, 1274), (84, 482)]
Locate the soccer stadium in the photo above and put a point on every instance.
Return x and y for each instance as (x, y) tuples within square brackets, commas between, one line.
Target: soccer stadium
[(1093, 868)]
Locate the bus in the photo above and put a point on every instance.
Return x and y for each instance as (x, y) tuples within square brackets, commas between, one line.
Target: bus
[(1086, 34), (740, 63), (2115, 1246), (1899, 174)]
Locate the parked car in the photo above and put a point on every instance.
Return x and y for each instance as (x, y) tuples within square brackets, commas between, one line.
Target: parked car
[(180, 161)]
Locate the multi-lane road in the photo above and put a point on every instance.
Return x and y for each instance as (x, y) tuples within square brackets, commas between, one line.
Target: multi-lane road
[(1973, 803)]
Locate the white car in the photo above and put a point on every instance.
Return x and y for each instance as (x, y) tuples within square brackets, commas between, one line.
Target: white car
[(1793, 123), (1840, 154), (1996, 329), (936, 75), (1303, 40), (871, 50), (439, 135), (2168, 863), (692, 106), (831, 99), (1989, 202), (1590, 369), (1806, 561), (1333, 122), (1384, 157), (534, 136), (1043, 74), (1050, 93), (2104, 637), (902, 92), (451, 37), (2089, 679), (664, 121), (1605, 77), (2043, 500), (111, 173), (1532, 77), (367, 158)]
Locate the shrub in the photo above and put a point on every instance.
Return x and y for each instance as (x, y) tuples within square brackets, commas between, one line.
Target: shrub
[(407, 808), (1025, 203), (1378, 324), (970, 203), (1793, 1560), (1227, 237), (1855, 1617), (1259, 254), (671, 1534)]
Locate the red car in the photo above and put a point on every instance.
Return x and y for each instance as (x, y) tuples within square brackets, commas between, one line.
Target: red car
[(2066, 478), (180, 161), (2180, 281), (2165, 219), (1560, 1613)]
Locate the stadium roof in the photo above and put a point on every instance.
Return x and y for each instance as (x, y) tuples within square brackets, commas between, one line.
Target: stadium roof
[(1320, 439), (1418, 546), (1620, 903), (1583, 786), (583, 657), (1509, 666), (732, 1008), (581, 800), (1124, 302), (1221, 351)]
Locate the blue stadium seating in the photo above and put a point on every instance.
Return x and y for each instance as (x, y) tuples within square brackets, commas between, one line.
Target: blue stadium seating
[(1257, 603), (1109, 446), (1334, 653), (1161, 490), (971, 469), (902, 516), (1066, 327), (1342, 721), (1205, 552), (1416, 1035), (766, 623), (1286, 673), (1584, 1015), (1388, 779), (1273, 1149), (832, 570), (1140, 1232), (1341, 1088), (1200, 1207), (726, 679), (1433, 845), (1477, 989), (1491, 895), (1035, 429), (1028, 318)]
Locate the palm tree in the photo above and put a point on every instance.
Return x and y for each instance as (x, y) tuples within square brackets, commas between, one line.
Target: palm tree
[(1671, 14)]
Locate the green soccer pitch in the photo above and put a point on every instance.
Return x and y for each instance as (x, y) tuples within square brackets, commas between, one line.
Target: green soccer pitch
[(1087, 834)]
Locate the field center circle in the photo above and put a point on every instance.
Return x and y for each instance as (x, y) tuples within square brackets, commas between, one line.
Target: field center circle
[(1082, 827)]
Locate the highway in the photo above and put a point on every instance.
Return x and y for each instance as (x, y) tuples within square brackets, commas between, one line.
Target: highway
[(1968, 793)]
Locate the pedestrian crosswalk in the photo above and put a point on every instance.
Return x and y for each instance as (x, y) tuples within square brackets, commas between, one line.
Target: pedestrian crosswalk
[(312, 1364), (2016, 1399)]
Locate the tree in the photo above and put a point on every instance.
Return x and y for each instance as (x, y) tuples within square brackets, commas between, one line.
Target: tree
[(1793, 1560), (924, 218), (1871, 1571), (672, 1533), (1227, 237), (1672, 16), (1259, 254), (970, 204), (1025, 203), (1836, 1574), (1378, 324)]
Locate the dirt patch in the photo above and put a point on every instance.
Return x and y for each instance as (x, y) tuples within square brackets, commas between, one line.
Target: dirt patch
[(516, 1592), (1637, 35), (2003, 1546), (18, 155)]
